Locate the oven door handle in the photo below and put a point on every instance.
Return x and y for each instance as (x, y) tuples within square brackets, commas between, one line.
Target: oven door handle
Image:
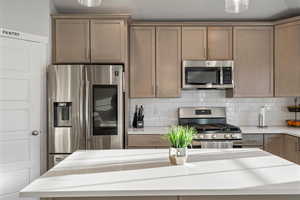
[(200, 143)]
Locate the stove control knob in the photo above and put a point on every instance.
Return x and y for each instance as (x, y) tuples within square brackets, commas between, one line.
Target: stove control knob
[(233, 136), (214, 136), (227, 136), (201, 136)]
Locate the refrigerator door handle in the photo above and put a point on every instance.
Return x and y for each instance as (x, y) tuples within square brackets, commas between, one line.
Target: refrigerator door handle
[(87, 114), (81, 119)]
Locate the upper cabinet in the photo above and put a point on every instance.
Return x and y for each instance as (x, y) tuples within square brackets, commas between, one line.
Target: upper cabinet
[(89, 40), (194, 43), (71, 41), (253, 56), (108, 41), (142, 62), (219, 43), (287, 59), (202, 43), (168, 61), (155, 61)]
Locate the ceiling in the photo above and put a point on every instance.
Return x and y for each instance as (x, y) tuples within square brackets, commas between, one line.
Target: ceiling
[(187, 9)]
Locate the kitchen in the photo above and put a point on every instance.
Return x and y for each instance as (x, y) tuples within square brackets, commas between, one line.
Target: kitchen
[(233, 77)]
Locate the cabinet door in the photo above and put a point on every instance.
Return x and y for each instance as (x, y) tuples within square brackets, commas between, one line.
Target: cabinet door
[(168, 61), (147, 141), (108, 41), (287, 60), (253, 141), (194, 43), (71, 41), (253, 55), (142, 62), (219, 43), (292, 150), (274, 143)]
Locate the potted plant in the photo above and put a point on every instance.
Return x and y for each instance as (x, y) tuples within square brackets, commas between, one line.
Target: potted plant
[(179, 137)]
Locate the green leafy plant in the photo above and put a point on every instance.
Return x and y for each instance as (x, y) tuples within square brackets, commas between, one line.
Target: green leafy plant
[(180, 136)]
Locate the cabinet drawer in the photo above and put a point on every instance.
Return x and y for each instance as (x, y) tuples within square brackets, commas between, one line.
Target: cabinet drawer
[(147, 141), (253, 140)]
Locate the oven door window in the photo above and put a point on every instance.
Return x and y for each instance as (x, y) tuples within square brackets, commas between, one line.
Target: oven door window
[(202, 75), (105, 110)]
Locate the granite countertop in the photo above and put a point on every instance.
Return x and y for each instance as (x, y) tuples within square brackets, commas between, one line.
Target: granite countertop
[(145, 172), (245, 129)]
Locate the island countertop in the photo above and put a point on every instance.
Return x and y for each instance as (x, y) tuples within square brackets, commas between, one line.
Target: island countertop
[(145, 172)]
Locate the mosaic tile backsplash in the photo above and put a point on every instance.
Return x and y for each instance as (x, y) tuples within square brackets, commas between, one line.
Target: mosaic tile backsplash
[(240, 111)]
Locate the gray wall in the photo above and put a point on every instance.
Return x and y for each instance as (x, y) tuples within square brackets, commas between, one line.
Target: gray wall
[(29, 16)]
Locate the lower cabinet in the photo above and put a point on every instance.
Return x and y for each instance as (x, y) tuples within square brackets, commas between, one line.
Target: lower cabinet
[(253, 141), (274, 143), (240, 197), (292, 148), (285, 146), (115, 198), (147, 141)]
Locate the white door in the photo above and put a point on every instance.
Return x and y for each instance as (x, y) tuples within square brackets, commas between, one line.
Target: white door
[(21, 67)]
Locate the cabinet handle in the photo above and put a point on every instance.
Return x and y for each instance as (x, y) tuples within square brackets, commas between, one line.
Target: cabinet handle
[(205, 53), (123, 82)]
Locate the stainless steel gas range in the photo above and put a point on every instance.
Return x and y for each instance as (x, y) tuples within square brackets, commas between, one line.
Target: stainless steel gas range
[(211, 125)]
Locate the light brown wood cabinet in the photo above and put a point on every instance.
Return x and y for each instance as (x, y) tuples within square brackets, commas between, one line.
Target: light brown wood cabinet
[(89, 41), (287, 59), (71, 41), (253, 67), (292, 148), (219, 43), (142, 62), (108, 41), (116, 198), (155, 61), (168, 61), (274, 143), (194, 43), (253, 141), (202, 43), (237, 197), (147, 141)]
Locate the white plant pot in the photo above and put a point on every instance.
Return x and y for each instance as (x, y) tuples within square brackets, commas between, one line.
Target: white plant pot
[(177, 156)]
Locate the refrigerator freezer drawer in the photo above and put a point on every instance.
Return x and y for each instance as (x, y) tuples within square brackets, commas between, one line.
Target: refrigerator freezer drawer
[(54, 159)]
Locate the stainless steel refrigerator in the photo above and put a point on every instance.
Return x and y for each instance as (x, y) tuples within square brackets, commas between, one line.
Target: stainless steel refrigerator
[(85, 106)]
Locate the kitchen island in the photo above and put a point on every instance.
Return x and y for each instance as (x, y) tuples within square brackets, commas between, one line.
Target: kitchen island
[(147, 174)]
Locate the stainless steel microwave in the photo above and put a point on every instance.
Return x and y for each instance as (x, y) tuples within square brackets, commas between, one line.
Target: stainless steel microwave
[(207, 74)]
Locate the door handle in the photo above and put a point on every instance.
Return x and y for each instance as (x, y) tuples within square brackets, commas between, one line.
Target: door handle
[(35, 133)]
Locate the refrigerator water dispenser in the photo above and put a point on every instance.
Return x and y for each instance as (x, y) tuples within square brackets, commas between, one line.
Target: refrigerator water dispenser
[(62, 114)]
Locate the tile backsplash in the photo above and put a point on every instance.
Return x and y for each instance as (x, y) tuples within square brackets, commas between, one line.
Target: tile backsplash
[(240, 111)]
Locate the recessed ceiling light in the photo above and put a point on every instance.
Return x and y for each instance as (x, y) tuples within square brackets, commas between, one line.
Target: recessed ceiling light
[(90, 3), (236, 6)]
